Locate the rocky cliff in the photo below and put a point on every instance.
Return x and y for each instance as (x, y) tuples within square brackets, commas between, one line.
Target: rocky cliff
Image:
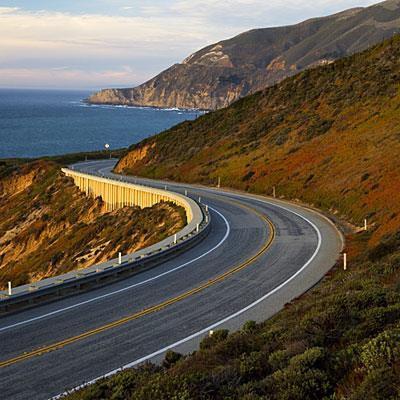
[(219, 74)]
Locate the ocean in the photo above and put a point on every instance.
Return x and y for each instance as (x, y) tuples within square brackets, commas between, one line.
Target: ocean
[(35, 123)]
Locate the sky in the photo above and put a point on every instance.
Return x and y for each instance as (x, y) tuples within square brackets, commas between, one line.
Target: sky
[(93, 44)]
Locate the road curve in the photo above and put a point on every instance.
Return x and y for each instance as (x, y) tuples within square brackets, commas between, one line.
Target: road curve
[(260, 254)]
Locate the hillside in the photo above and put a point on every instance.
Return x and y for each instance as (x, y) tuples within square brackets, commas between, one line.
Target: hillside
[(329, 136), (221, 73), (49, 227)]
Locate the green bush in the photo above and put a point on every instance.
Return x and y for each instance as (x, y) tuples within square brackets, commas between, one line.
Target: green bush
[(304, 378), (381, 351), (171, 358), (211, 340)]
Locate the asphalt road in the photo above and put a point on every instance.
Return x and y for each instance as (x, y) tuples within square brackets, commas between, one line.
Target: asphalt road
[(260, 254)]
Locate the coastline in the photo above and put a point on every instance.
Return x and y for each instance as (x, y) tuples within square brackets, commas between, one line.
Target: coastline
[(141, 107), (39, 123)]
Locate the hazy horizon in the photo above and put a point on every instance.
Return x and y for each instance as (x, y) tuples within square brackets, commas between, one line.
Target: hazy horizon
[(116, 43)]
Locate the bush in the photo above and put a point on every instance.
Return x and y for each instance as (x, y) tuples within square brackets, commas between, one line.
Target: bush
[(381, 351), (249, 326), (304, 378), (171, 358), (380, 384), (211, 340)]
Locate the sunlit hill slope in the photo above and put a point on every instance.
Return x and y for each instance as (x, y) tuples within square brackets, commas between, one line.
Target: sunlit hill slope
[(328, 136)]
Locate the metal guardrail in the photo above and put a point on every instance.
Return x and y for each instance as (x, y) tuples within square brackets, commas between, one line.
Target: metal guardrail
[(115, 269)]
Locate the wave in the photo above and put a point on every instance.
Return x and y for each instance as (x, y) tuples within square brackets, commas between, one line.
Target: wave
[(180, 111)]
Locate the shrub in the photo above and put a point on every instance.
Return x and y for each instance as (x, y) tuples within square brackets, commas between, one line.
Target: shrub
[(381, 351), (304, 378), (211, 340), (171, 358)]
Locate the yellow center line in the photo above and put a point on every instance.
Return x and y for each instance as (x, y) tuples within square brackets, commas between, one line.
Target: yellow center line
[(152, 309)]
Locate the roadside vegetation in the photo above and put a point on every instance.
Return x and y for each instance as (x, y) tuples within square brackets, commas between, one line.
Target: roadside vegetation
[(329, 137), (341, 340), (49, 227)]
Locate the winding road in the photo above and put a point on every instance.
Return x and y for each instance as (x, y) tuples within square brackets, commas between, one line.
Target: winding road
[(260, 254)]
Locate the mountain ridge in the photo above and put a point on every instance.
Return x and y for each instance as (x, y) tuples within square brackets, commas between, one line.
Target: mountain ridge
[(220, 73)]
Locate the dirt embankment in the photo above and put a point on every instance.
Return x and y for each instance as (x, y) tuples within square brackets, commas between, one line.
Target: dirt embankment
[(49, 227)]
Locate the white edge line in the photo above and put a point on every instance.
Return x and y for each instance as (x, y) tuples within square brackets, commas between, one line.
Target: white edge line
[(43, 316), (216, 324)]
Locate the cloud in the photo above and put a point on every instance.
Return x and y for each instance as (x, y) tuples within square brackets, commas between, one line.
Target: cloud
[(8, 10), (100, 34), (148, 36), (251, 13), (71, 78)]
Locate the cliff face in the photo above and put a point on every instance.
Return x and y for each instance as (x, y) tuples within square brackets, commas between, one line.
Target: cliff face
[(48, 226), (219, 74)]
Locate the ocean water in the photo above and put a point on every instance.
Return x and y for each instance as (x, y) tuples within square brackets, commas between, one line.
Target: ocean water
[(35, 123)]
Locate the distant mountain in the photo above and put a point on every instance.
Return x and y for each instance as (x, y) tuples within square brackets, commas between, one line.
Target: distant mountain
[(221, 73)]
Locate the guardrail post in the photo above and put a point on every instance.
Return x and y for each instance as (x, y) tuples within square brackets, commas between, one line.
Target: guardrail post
[(345, 261), (206, 208), (274, 191), (175, 238), (9, 289), (119, 258), (199, 199), (365, 224), (197, 228), (219, 182), (186, 193)]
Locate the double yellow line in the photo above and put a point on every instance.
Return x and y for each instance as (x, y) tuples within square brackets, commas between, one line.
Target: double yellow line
[(152, 309)]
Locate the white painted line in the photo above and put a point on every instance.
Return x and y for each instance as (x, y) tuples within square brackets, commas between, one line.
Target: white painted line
[(216, 324), (55, 312)]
